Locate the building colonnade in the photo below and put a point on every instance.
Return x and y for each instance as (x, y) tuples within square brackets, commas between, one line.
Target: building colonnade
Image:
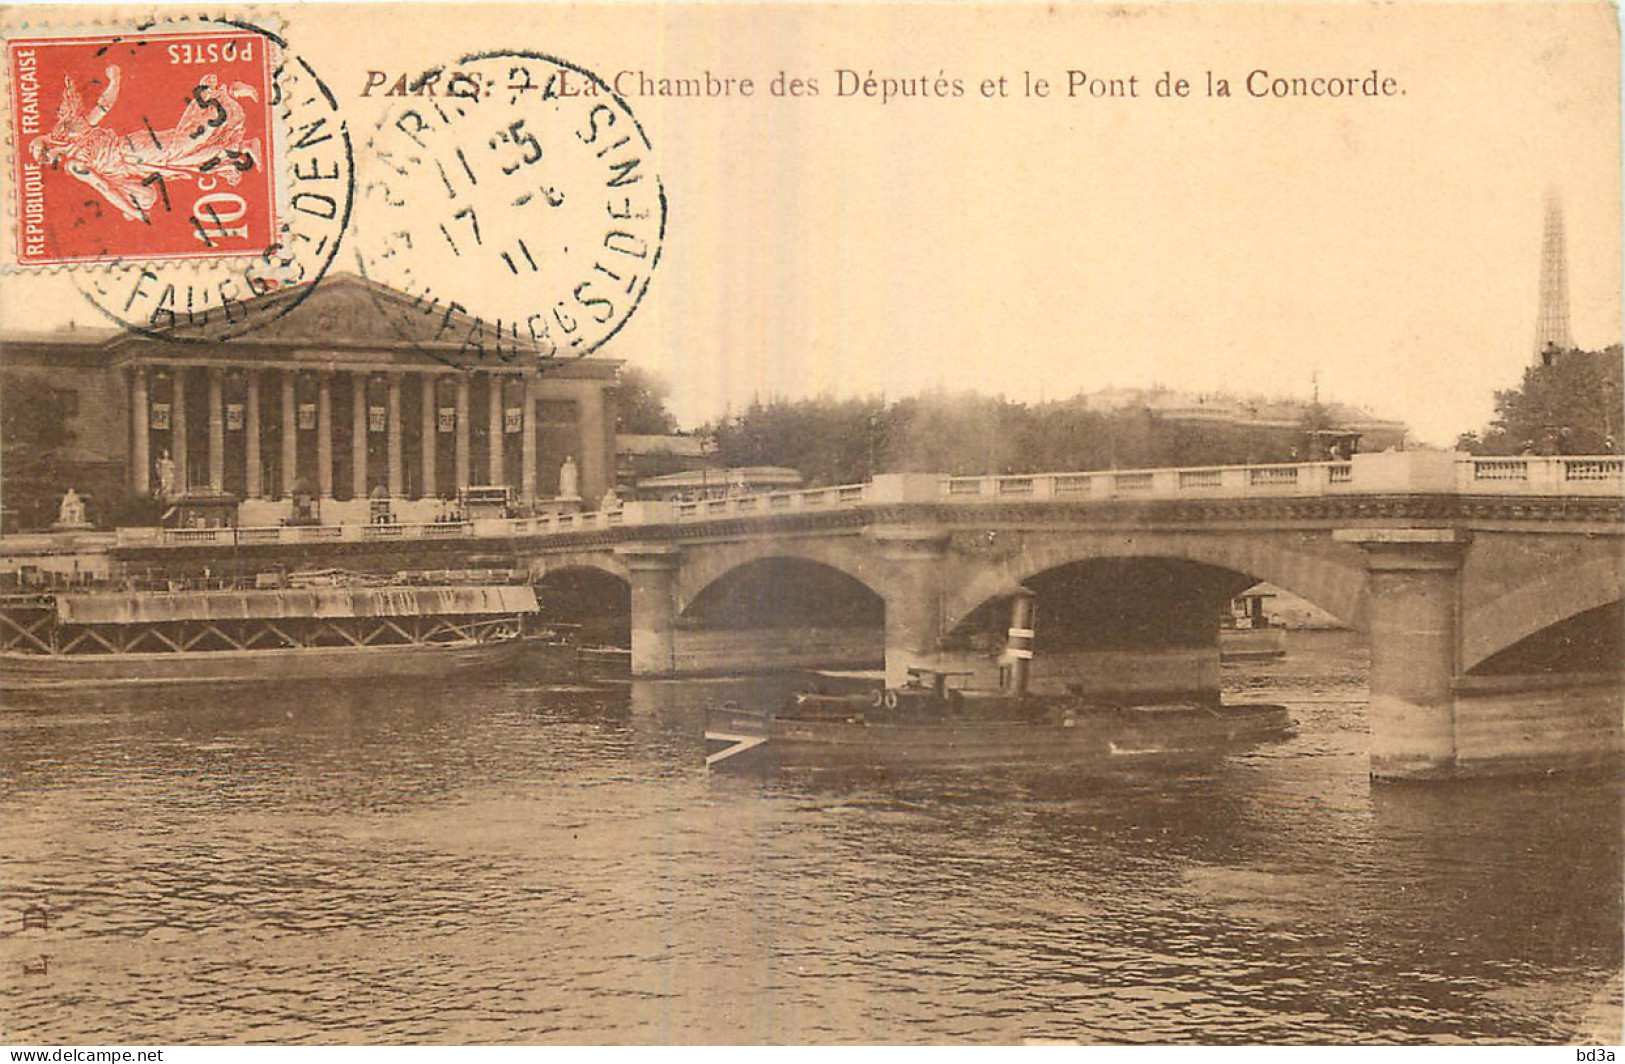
[(262, 447)]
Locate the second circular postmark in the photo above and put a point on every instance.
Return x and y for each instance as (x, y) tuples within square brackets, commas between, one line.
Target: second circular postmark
[(515, 200)]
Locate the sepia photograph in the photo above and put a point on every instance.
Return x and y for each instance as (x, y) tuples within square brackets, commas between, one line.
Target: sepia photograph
[(785, 523)]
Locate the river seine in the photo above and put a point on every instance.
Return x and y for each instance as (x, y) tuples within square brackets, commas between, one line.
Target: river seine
[(516, 863)]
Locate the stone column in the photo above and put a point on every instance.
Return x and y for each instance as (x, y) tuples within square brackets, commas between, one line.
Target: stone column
[(141, 441), (431, 439), (1412, 582), (397, 475), (527, 446), (463, 458), (594, 480), (496, 473), (324, 435), (913, 556), (177, 431), (217, 431), (654, 608), (290, 433), (358, 435), (253, 486)]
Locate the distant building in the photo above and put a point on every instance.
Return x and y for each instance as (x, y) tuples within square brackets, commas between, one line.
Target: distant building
[(719, 483), (683, 468), (1284, 416), (338, 402), (640, 455)]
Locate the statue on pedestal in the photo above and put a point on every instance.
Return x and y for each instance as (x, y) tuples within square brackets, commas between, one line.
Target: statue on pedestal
[(166, 476), (71, 513), (569, 479), (610, 501)]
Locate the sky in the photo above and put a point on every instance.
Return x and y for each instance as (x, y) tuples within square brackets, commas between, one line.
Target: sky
[(1037, 248)]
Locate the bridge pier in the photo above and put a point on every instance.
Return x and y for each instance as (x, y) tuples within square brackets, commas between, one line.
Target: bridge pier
[(914, 599), (1413, 579), (653, 573)]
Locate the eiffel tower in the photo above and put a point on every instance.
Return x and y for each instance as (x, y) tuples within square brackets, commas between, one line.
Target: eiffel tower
[(1552, 325)]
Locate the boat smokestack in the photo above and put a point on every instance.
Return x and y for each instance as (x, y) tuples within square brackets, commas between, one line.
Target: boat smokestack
[(1020, 644)]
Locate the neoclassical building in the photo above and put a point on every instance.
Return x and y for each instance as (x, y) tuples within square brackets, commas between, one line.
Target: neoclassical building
[(353, 395)]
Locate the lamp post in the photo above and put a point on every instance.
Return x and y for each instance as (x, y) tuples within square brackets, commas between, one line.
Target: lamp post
[(705, 466)]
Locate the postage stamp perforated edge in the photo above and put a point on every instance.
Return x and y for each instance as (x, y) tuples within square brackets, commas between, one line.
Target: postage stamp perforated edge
[(13, 26)]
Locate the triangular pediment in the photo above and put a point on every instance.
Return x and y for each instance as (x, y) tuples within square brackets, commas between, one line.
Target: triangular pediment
[(346, 311)]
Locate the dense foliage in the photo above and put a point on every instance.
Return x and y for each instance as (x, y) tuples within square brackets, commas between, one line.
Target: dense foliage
[(34, 448), (1570, 404), (640, 403), (838, 441)]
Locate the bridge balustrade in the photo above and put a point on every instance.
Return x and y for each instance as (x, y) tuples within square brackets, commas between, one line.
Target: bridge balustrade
[(1541, 474), (1592, 468), (1383, 473)]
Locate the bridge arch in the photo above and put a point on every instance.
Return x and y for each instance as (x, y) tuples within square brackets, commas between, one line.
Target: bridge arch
[(1554, 595), (1331, 576), (548, 565), (703, 567), (590, 593)]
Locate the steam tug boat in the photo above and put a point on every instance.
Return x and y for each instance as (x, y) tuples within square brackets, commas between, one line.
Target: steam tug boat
[(929, 721)]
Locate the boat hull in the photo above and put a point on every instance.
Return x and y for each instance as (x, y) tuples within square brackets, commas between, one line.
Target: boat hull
[(1252, 644), (1100, 735), (45, 671)]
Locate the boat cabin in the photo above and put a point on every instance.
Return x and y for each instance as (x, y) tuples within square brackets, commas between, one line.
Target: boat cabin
[(1248, 611), (937, 680)]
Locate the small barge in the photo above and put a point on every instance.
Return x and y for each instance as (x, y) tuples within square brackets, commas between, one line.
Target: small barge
[(1246, 631)]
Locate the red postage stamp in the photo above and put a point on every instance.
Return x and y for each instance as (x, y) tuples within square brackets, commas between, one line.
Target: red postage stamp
[(140, 147)]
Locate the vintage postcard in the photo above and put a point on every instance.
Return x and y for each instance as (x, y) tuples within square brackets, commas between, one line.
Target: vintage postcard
[(811, 523)]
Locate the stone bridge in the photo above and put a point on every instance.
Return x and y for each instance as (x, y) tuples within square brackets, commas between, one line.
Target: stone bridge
[(1490, 589)]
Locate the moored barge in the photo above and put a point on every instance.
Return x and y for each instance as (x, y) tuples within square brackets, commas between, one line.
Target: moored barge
[(335, 632)]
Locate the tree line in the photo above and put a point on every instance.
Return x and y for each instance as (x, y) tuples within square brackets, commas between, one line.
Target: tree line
[(843, 441), (1569, 403)]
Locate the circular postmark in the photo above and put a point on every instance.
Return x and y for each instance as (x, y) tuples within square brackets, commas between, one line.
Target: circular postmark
[(514, 200), (206, 190)]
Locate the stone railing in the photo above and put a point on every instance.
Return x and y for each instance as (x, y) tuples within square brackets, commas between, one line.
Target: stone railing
[(1526, 474), (1387, 473), (272, 534), (1318, 478)]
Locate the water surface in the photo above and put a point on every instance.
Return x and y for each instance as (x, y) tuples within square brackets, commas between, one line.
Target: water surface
[(519, 863)]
